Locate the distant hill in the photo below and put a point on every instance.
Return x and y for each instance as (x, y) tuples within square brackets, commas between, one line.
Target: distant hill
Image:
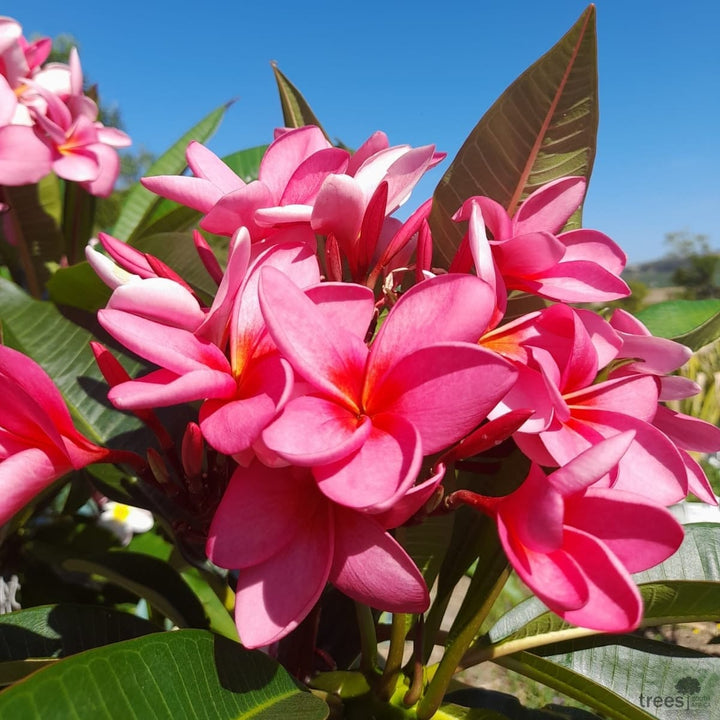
[(654, 273)]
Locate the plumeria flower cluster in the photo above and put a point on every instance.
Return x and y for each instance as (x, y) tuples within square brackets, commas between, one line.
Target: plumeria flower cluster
[(341, 402), (47, 122)]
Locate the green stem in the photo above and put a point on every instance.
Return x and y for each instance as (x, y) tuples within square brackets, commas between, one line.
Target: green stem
[(454, 653), (368, 638), (398, 630)]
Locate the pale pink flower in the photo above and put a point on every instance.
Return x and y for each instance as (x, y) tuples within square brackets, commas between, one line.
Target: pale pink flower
[(575, 544), (527, 252), (287, 539)]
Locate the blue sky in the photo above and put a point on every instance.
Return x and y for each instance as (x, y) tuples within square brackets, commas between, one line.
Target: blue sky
[(424, 73)]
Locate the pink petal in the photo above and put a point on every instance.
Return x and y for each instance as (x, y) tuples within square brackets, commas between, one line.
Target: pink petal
[(36, 383), (379, 472), (698, 483), (614, 603), (232, 426), (430, 389), (636, 394), (205, 164), (577, 281), (554, 577), (412, 501), (528, 255), (591, 465), (285, 154), (324, 355), (163, 388), (456, 307), (638, 532), (592, 245), (550, 206), (374, 144), (305, 182), (370, 566), (26, 474), (78, 166), (260, 513), (275, 596), (237, 209), (24, 158), (688, 432), (193, 192), (161, 300), (345, 305), (339, 209), (534, 513), (173, 348), (312, 431)]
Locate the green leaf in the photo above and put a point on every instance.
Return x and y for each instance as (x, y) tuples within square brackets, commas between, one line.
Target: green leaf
[(139, 202), (576, 685), (691, 322), (343, 683), (451, 711), (149, 578), (295, 109), (78, 286), (39, 330), (427, 543), (56, 631), (246, 163), (639, 670), (180, 675), (542, 127)]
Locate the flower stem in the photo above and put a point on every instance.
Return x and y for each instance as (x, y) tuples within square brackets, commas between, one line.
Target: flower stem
[(398, 630), (454, 652), (368, 638)]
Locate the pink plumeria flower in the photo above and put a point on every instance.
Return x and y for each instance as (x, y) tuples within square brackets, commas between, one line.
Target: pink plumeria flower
[(527, 252), (371, 414), (288, 540), (575, 544), (38, 441)]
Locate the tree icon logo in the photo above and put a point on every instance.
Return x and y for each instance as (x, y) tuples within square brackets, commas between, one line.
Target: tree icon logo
[(687, 686)]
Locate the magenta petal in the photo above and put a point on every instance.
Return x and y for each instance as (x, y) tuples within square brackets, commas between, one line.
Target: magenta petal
[(286, 153), (593, 245), (339, 209), (303, 186), (260, 513), (411, 502), (36, 383), (554, 577), (457, 308), (614, 603), (232, 426), (275, 596), (314, 431), (590, 465), (578, 281), (193, 192), (162, 388), (638, 532), (687, 432), (635, 394), (535, 513), (347, 306), (206, 164), (430, 389), (371, 567), (24, 475), (528, 255), (172, 348), (382, 470), (238, 209), (549, 207), (326, 356)]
